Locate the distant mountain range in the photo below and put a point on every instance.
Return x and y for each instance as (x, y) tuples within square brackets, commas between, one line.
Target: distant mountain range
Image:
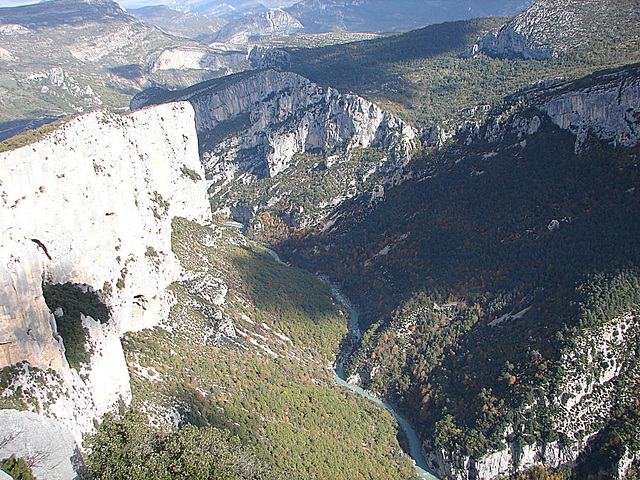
[(183, 24), (395, 16), (359, 15), (65, 56)]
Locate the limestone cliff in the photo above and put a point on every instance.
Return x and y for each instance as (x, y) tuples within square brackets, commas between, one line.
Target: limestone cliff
[(91, 204), (257, 122), (605, 105), (194, 58), (46, 444), (608, 107), (258, 26)]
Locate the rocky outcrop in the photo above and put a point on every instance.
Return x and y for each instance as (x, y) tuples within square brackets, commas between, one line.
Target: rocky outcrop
[(92, 204), (605, 105), (269, 58), (608, 107), (549, 28), (185, 58), (258, 26), (257, 122), (453, 465), (45, 444), (592, 383)]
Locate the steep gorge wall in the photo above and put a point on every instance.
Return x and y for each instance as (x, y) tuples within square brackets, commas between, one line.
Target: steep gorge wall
[(605, 105), (596, 371), (92, 204), (258, 121), (608, 109), (595, 375)]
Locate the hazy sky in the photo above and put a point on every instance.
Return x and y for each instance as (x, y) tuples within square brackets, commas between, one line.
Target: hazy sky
[(124, 3), (130, 3), (14, 3)]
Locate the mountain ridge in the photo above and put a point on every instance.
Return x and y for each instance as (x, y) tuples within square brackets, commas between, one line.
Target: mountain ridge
[(63, 12), (97, 58)]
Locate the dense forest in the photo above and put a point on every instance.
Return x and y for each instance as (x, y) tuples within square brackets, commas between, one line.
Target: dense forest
[(475, 281), (266, 381)]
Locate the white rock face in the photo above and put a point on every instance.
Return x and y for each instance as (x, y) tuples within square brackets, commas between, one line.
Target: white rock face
[(272, 23), (183, 58), (609, 109), (605, 106), (5, 54), (278, 114), (43, 441), (583, 400), (92, 204)]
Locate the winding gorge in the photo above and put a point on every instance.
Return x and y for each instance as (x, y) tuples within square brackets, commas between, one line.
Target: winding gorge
[(412, 256)]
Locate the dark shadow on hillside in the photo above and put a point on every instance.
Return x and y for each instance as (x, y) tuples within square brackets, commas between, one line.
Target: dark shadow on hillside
[(294, 294), (15, 127), (130, 72), (372, 62)]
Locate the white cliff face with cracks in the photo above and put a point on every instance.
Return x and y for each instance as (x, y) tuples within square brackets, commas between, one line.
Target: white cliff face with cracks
[(92, 204), (609, 109), (185, 58), (45, 443), (257, 122), (605, 106)]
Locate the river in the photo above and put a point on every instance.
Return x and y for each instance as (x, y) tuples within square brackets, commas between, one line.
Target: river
[(354, 336)]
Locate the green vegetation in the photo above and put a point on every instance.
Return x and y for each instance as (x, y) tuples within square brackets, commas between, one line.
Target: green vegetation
[(190, 173), (18, 468), (160, 206), (128, 448), (470, 269), (420, 76), (542, 473), (76, 69), (31, 136), (257, 367), (310, 190), (479, 274), (74, 300), (619, 437), (22, 386)]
